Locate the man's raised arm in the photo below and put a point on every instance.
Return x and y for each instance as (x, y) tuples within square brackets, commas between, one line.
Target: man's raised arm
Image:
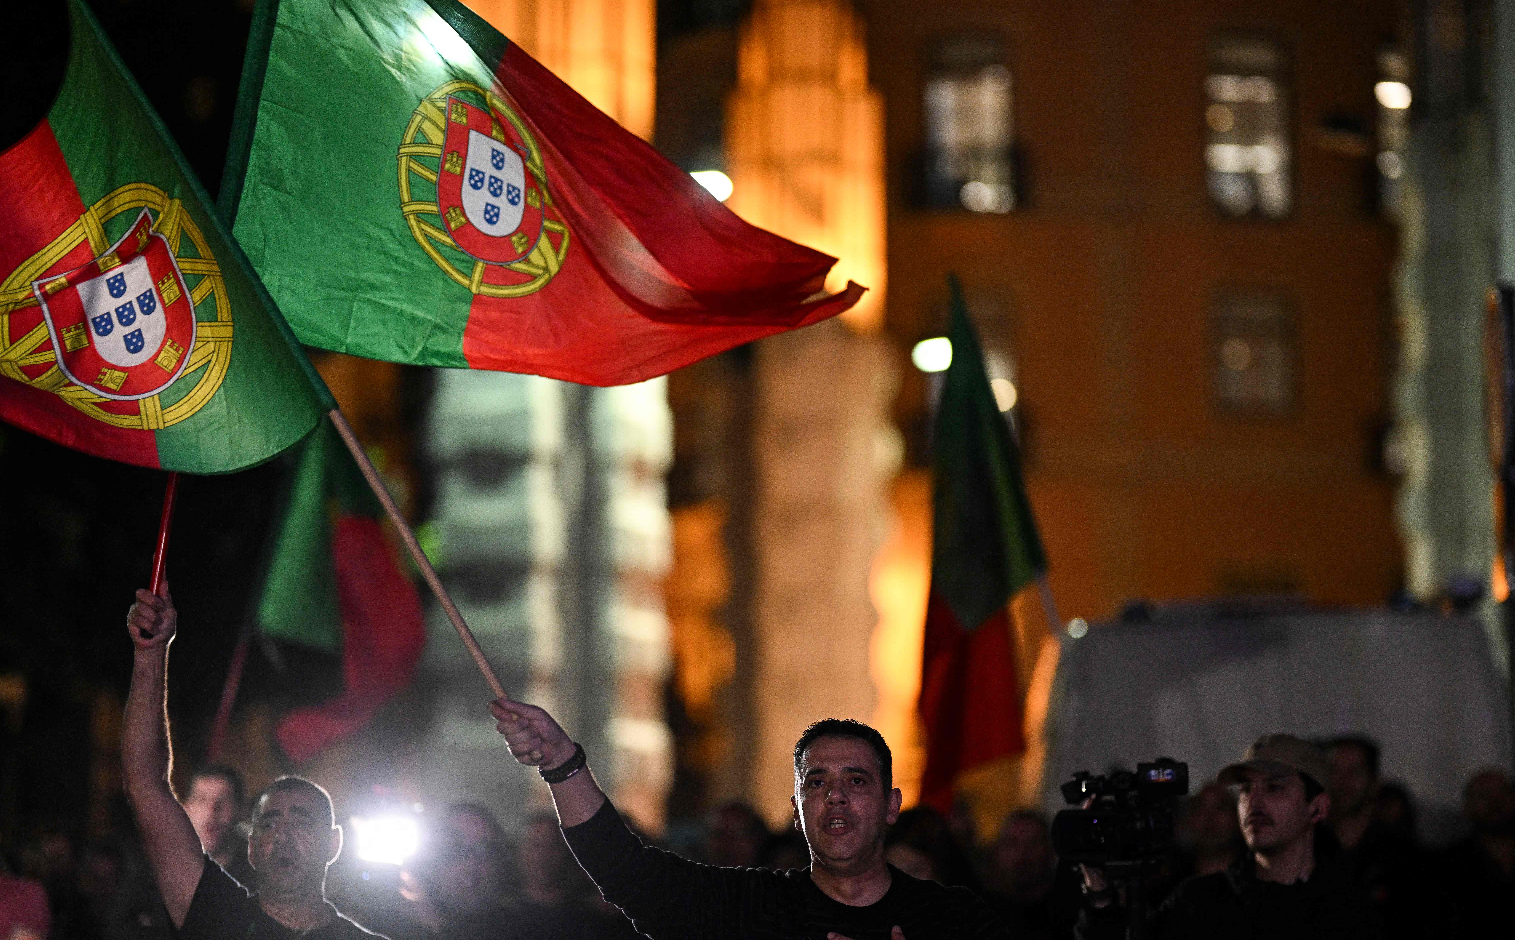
[(173, 849)]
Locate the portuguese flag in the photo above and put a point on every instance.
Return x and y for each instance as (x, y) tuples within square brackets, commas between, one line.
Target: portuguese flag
[(985, 548), (335, 584), (413, 187), (131, 326)]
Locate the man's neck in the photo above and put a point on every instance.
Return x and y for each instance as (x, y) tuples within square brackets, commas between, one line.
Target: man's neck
[(1288, 863), (298, 909), (854, 888)]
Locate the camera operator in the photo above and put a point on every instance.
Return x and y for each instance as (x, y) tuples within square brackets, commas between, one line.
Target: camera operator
[(1284, 885)]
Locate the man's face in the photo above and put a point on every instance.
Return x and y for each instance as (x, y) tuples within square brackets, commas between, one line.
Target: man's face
[(841, 805), (292, 840), (1351, 784), (1273, 811), (1023, 853), (212, 809)]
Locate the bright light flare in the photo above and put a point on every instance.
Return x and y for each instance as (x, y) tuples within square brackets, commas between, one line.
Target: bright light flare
[(1078, 628), (932, 355), (1005, 394), (717, 183), (386, 840), (1393, 95)]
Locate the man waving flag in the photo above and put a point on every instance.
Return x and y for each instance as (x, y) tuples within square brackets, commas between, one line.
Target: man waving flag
[(130, 325), (413, 187)]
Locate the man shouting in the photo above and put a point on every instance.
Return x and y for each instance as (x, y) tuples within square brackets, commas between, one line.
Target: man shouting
[(844, 801), (294, 833)]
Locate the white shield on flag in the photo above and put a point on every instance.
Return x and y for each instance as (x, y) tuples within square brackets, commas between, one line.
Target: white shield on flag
[(494, 181), (126, 322)]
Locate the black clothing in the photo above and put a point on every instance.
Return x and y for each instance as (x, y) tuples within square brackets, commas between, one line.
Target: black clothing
[(1395, 875), (1480, 891), (1238, 905), (671, 898), (224, 910)]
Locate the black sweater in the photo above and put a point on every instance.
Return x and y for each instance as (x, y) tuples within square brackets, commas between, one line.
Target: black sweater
[(671, 898)]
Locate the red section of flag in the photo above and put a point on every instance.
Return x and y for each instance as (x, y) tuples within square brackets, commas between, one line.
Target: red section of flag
[(661, 274), (970, 698), (38, 202), (383, 633)]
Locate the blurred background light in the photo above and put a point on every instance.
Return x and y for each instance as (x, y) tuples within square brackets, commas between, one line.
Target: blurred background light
[(1393, 95), (932, 355), (716, 182), (1005, 394), (386, 840), (1078, 628)]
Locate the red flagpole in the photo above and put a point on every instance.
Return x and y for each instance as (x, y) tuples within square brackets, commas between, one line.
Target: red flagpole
[(163, 526)]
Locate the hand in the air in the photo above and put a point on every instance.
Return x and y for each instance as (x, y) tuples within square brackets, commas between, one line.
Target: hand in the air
[(152, 620), (534, 738), (895, 934)]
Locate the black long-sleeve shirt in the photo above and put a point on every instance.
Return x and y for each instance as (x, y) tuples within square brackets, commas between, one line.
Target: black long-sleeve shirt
[(671, 898)]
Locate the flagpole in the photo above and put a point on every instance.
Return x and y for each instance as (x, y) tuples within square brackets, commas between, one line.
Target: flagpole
[(414, 547), (164, 523), (229, 690)]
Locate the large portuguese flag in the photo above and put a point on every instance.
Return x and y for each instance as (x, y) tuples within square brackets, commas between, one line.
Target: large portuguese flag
[(985, 549), (414, 187), (131, 326)]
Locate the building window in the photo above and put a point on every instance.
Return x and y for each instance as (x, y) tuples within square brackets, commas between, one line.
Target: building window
[(1254, 354), (969, 125), (1247, 155)]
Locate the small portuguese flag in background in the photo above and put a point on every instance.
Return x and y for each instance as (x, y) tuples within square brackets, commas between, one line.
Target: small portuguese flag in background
[(131, 326), (985, 548), (413, 187), (335, 584)]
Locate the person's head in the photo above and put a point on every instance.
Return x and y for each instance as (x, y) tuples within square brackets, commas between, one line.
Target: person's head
[(1208, 825), (214, 804), (1488, 803), (1280, 798), (844, 797), (1353, 777), (736, 837), (465, 858), (1022, 857), (294, 836), (920, 843)]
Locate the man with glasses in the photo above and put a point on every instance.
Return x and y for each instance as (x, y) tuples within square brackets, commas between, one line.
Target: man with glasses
[(1290, 882), (294, 834)]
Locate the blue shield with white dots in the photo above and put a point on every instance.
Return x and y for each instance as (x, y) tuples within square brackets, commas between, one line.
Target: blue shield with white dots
[(476, 179), (102, 324), (126, 314), (116, 283), (134, 342), (147, 302)]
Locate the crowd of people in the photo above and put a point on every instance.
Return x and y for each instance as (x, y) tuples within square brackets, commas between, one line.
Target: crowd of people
[(474, 881), (1296, 839)]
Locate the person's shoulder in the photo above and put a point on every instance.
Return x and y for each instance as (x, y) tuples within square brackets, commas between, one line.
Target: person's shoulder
[(345, 928), (1206, 889), (920, 891)]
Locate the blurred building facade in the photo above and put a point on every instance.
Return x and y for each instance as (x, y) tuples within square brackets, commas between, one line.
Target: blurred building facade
[(1171, 223)]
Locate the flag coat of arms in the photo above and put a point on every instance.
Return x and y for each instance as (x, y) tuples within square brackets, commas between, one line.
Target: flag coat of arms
[(130, 325), (413, 187)]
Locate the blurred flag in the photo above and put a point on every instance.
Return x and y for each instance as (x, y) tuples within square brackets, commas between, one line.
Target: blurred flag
[(413, 187), (985, 549), (130, 325), (335, 584)]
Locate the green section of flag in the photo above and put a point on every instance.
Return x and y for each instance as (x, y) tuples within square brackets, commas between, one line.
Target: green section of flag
[(299, 602), (269, 396), (985, 546), (321, 211)]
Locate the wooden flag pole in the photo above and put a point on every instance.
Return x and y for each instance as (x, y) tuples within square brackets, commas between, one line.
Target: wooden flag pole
[(414, 547), (164, 524)]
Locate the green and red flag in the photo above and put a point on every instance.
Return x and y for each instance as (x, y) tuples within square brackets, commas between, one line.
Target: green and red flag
[(413, 187), (985, 549), (131, 326), (335, 584)]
